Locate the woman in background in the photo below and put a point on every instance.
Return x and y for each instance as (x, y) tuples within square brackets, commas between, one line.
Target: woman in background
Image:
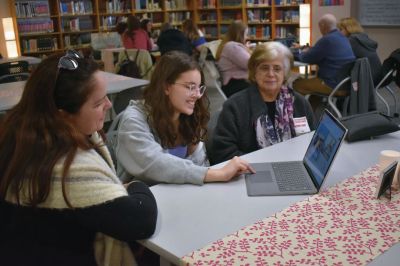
[(232, 57), (266, 113), (195, 36), (135, 37), (160, 139), (60, 200), (361, 45)]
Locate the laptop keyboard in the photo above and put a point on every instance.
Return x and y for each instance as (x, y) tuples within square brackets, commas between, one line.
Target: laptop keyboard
[(290, 176)]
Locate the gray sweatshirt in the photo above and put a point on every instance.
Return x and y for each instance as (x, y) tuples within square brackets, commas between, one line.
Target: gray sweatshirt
[(140, 154)]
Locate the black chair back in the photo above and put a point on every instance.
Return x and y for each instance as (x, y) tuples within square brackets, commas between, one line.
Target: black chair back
[(16, 67), (14, 77)]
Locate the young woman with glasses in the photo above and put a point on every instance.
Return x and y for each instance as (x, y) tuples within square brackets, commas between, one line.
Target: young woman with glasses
[(61, 202), (266, 113), (160, 138)]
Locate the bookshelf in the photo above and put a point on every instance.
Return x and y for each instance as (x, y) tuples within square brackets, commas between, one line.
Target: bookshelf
[(266, 19), (46, 26)]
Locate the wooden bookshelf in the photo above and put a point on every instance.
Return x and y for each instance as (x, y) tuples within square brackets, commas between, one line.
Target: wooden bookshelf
[(266, 19), (46, 26)]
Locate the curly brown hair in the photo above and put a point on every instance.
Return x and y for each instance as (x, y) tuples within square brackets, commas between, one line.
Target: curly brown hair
[(192, 128)]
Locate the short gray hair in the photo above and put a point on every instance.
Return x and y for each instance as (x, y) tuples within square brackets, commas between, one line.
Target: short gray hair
[(269, 51)]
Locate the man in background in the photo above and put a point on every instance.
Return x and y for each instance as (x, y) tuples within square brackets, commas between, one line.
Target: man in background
[(331, 52)]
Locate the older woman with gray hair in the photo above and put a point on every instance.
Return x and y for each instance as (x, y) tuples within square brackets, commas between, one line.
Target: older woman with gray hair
[(266, 113)]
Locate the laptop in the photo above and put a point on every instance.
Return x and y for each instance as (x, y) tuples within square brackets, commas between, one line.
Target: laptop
[(300, 177)]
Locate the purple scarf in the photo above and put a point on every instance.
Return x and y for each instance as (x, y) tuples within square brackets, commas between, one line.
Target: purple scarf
[(266, 134)]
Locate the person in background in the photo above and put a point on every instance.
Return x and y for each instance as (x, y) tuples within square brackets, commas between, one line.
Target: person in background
[(232, 57), (135, 37), (160, 139), (361, 44), (195, 36), (121, 27), (330, 53), (171, 39), (147, 25), (61, 202), (266, 113)]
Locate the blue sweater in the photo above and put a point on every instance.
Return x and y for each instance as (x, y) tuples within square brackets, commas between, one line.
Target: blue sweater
[(330, 53)]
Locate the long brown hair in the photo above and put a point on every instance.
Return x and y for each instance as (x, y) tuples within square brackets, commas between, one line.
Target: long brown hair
[(35, 134), (235, 33), (193, 128), (190, 29)]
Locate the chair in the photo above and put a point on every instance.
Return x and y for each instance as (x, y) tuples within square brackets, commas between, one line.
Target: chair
[(111, 137), (15, 67), (121, 100), (390, 71), (212, 123), (212, 77), (357, 87), (14, 77)]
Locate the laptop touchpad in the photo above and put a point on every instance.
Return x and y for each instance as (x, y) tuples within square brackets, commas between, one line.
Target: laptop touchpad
[(260, 177)]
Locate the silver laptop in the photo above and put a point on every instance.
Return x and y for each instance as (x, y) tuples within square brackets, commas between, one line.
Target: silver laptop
[(300, 177)]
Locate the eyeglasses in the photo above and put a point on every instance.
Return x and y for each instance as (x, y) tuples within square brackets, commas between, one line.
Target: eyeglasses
[(277, 69), (68, 61), (192, 88)]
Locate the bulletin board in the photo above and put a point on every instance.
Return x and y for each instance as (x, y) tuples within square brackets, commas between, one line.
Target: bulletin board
[(379, 13)]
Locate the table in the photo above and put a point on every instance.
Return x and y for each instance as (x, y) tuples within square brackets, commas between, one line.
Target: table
[(299, 64), (190, 217), (10, 93), (31, 60)]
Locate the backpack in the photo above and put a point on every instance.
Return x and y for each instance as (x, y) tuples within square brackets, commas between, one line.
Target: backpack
[(212, 77), (130, 68)]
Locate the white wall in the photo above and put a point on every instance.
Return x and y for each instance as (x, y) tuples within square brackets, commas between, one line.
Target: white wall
[(318, 11), (388, 38)]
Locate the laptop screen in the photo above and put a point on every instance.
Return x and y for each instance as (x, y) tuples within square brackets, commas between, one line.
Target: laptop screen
[(323, 147)]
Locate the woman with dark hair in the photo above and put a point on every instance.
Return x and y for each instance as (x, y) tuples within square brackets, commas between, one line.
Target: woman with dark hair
[(135, 37), (171, 39), (232, 57), (60, 200), (160, 138)]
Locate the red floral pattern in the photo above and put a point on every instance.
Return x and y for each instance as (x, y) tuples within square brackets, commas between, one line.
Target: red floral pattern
[(343, 225)]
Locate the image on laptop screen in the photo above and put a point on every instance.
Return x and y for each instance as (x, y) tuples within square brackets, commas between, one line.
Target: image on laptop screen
[(323, 147)]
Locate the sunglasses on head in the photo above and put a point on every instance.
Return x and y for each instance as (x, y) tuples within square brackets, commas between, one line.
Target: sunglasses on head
[(68, 61)]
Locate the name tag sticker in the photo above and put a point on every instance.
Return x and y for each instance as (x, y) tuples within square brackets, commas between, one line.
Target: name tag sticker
[(301, 125)]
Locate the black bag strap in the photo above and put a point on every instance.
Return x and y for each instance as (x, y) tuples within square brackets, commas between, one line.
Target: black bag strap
[(137, 54), (127, 56)]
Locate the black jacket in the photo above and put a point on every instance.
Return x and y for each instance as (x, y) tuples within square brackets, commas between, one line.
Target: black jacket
[(363, 46), (235, 135)]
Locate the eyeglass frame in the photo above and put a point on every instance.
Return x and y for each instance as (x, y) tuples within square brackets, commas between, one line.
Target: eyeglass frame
[(191, 87)]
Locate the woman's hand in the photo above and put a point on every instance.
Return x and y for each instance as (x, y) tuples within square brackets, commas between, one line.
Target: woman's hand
[(234, 167)]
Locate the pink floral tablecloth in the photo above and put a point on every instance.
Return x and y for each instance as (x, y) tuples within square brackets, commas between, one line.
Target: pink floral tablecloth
[(343, 225)]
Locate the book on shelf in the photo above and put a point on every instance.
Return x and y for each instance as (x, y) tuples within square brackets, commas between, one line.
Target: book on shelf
[(206, 3), (32, 8), (76, 7), (37, 25), (39, 44)]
